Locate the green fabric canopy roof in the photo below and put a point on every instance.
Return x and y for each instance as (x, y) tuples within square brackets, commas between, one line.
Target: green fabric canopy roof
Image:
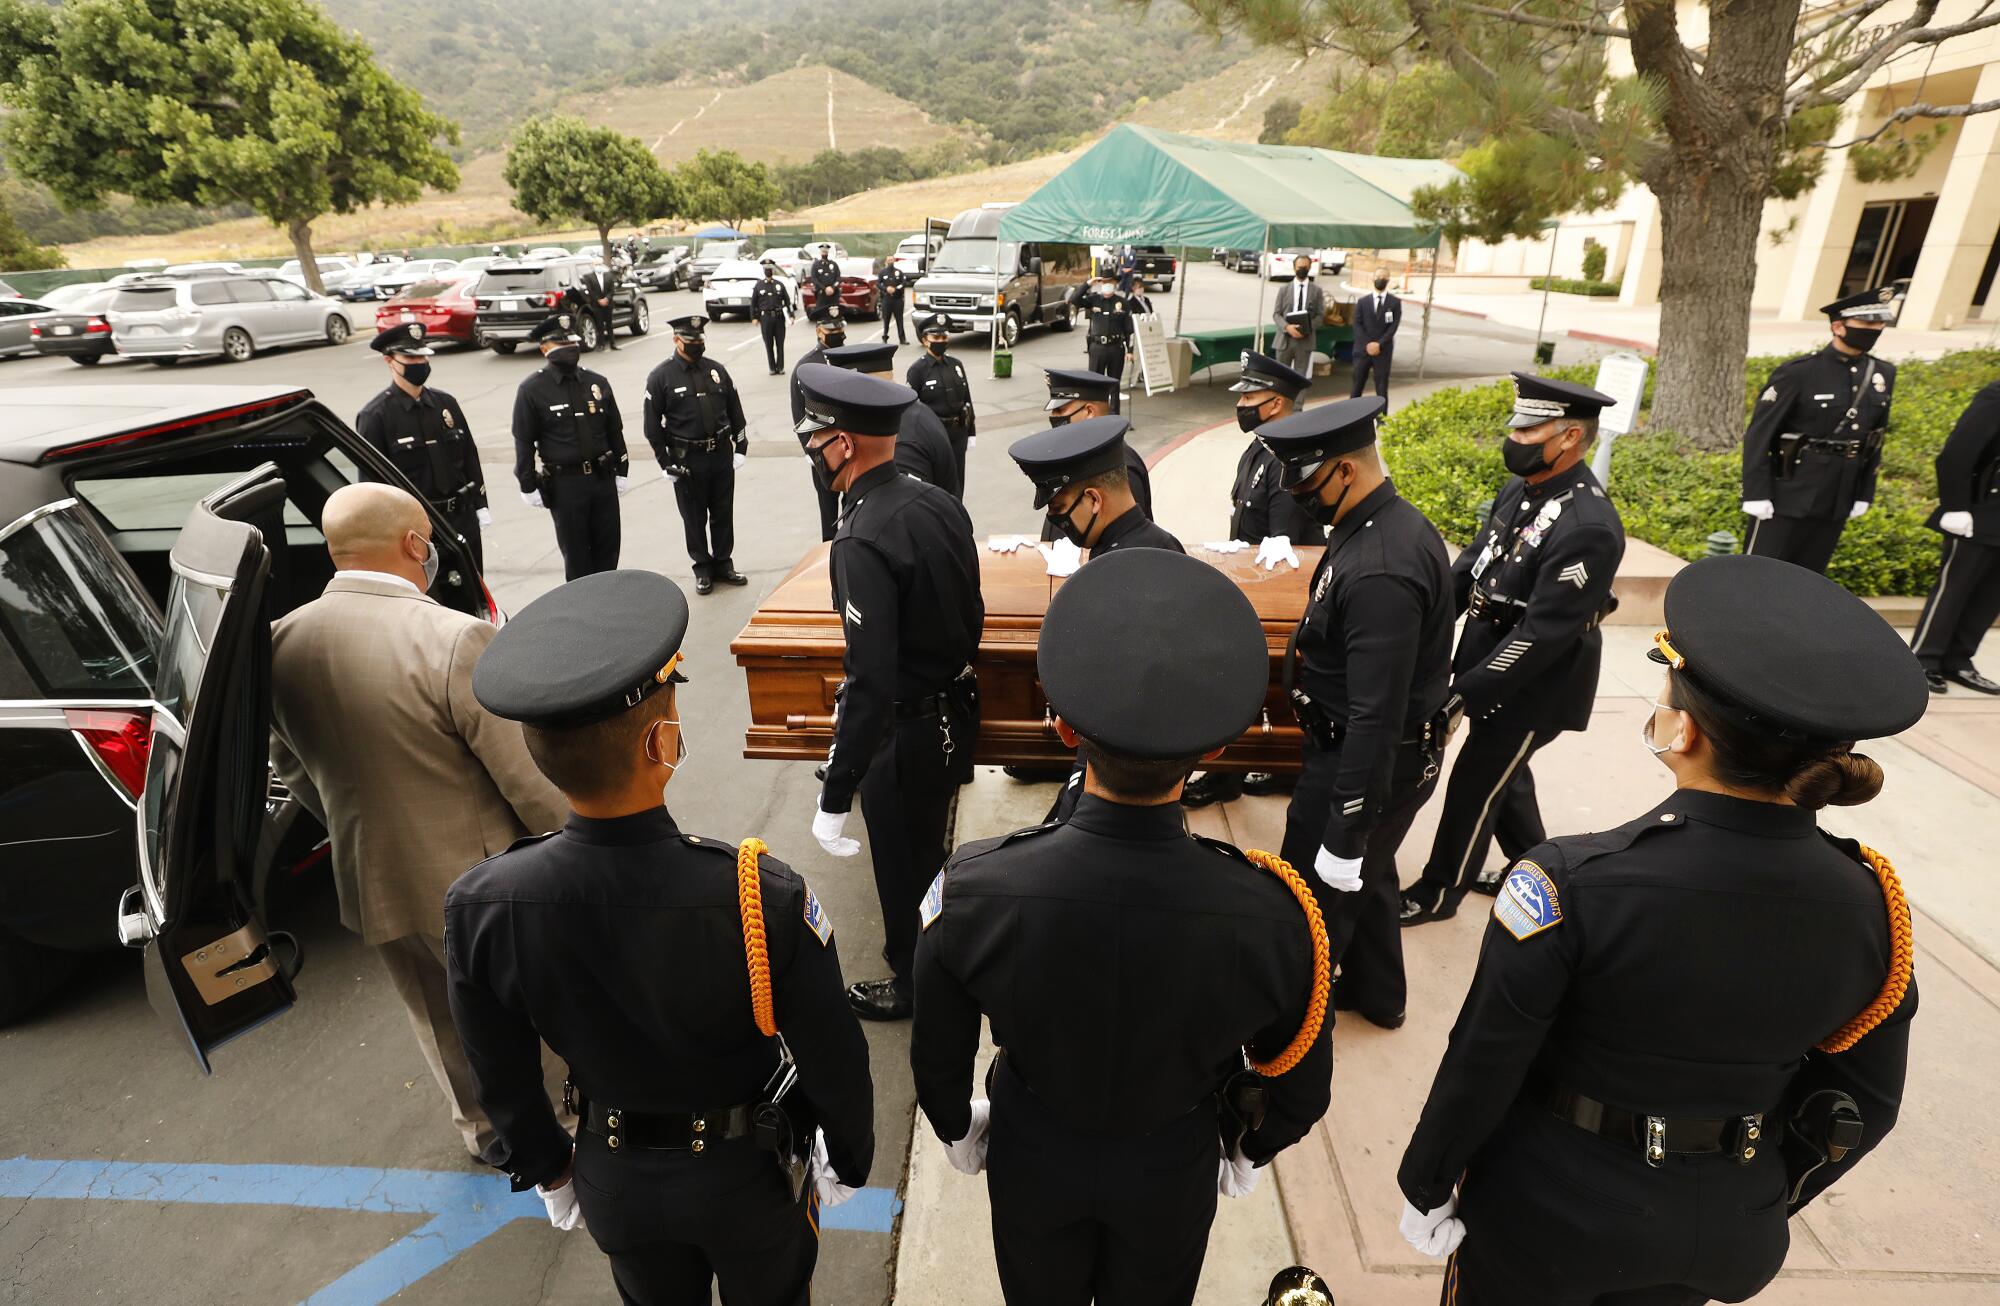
[(1143, 186)]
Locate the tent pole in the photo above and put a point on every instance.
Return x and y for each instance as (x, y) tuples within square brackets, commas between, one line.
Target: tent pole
[(1547, 282), (1180, 300), (1262, 258), (1430, 297)]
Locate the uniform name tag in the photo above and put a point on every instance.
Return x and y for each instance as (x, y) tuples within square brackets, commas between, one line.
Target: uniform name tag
[(933, 904), (817, 920), (1527, 903)]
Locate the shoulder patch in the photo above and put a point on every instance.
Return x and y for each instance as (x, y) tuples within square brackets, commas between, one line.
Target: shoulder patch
[(1770, 393), (1222, 846), (1527, 903), (933, 904), (817, 920)]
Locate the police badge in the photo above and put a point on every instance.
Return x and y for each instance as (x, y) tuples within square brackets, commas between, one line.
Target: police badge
[(595, 393), (447, 419)]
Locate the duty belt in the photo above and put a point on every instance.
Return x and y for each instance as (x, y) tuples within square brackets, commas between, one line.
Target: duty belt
[(1845, 448), (916, 709), (668, 1131), (588, 467), (709, 445), (446, 505), (1482, 606), (1107, 340), (1656, 1137)]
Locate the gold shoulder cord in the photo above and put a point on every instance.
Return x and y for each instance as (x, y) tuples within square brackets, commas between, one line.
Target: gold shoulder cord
[(1322, 981), (1902, 952), (750, 906)]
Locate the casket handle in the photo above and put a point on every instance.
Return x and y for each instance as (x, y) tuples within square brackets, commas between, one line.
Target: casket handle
[(800, 721)]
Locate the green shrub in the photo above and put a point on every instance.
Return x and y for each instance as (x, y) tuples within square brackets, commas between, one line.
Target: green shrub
[(1594, 255), (1566, 286), (1444, 451)]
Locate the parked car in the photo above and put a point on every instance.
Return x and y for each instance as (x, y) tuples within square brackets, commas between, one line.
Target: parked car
[(727, 289), (550, 251), (444, 305), (857, 288), (70, 295), (370, 283), (1278, 263), (914, 254), (165, 320), (660, 269), (16, 317), (792, 260), (710, 255), (511, 299), (1237, 260), (333, 270), (400, 278), (79, 331), (1156, 268), (979, 280), (148, 535), (1331, 261), (200, 269)]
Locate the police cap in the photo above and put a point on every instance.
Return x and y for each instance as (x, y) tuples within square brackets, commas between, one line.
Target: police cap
[(585, 651), (934, 324), (1263, 372), (868, 357), (1789, 649), (825, 314), (1153, 655), (1064, 455), (1304, 440), (1067, 385), (689, 327), (406, 338), (857, 404), (1539, 399), (556, 326), (1878, 305)]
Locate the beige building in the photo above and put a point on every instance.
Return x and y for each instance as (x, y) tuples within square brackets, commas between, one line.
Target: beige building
[(1937, 232)]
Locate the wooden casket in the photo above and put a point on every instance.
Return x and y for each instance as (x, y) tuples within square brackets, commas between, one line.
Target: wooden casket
[(790, 652)]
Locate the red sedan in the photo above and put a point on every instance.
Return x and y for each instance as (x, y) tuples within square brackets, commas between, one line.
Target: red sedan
[(857, 295), (445, 308)]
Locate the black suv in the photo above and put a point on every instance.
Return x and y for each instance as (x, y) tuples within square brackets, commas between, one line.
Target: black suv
[(148, 536), (511, 299)]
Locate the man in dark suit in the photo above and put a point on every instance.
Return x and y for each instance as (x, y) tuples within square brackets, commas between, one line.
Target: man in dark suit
[(1300, 307), (593, 291), (1376, 317)]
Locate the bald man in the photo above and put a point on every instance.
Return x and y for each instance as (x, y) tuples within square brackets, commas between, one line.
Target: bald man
[(375, 729)]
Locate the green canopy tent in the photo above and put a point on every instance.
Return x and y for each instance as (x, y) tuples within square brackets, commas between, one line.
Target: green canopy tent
[(1144, 186)]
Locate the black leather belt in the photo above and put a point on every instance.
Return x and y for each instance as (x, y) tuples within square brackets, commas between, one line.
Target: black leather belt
[(709, 445), (1656, 1137), (446, 506), (917, 709), (1108, 340), (588, 467), (1845, 448), (668, 1131)]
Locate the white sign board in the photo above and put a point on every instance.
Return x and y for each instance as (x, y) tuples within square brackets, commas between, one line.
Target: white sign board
[(1623, 377), (1154, 366)]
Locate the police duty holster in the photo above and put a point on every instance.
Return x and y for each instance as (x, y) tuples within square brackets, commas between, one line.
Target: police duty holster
[(1240, 1107), (1820, 1131), (777, 1128)]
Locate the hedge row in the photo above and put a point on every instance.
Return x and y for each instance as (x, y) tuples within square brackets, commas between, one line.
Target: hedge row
[(1444, 451), (1570, 286)]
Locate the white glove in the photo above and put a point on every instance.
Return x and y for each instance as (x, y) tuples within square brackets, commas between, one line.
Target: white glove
[(564, 1213), (736, 461), (971, 443), (1225, 546), (1064, 558), (1434, 1233), (831, 1191), (1761, 509), (622, 484), (826, 831), (1274, 550), (1860, 507), (532, 498), (485, 516), (1007, 543), (1956, 523), (968, 1154), (671, 478), (1342, 873), (1235, 1176)]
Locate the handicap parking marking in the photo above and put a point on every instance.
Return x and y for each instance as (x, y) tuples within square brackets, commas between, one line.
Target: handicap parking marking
[(465, 1208)]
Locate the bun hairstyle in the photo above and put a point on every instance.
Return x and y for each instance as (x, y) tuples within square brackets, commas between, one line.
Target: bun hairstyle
[(1812, 774)]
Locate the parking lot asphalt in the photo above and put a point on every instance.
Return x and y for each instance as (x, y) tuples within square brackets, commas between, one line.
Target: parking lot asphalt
[(319, 1163)]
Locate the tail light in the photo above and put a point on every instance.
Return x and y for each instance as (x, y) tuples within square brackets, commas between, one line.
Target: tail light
[(119, 741), (553, 298), (493, 612), (97, 326), (35, 331)]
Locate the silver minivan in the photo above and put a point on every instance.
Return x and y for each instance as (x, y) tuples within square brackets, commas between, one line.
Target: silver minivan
[(230, 317)]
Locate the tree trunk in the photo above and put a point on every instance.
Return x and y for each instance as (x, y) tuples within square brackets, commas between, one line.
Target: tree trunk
[(301, 233), (604, 243), (1708, 257)]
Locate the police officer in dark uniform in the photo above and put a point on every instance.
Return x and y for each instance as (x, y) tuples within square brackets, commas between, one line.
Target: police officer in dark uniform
[(890, 288), (569, 449), (1685, 1028), (1534, 585), (942, 387), (1129, 969), (825, 277), (1108, 332), (1814, 442), (1079, 396), (906, 586), (923, 450), (1079, 475), (1966, 598), (830, 329), (423, 431), (721, 1087), (1366, 671), (772, 305), (694, 421)]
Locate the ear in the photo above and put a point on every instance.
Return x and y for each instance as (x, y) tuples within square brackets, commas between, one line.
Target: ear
[(1687, 736), (1214, 753), (1069, 737)]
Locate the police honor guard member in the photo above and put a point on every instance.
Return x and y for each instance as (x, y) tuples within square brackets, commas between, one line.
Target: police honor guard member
[(422, 431), (692, 986), (1815, 437), (772, 305), (1300, 308), (1376, 318), (1685, 1028), (1534, 585), (569, 449), (906, 587), (1131, 1087), (825, 277), (1080, 480), (1966, 598), (890, 288), (923, 450), (1079, 396), (830, 330), (694, 421), (1108, 330), (942, 387), (1366, 673)]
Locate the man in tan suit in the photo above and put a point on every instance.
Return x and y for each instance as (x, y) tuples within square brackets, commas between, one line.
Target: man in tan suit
[(376, 730)]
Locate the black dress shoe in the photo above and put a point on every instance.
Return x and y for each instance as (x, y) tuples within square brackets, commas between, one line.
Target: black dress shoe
[(733, 577), (1973, 681), (703, 585), (1488, 881), (1263, 783), (1212, 787), (1937, 682), (1415, 910), (879, 999), (1341, 1002)]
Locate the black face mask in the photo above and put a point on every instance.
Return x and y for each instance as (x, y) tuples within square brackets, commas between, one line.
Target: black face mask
[(1060, 419), (1862, 338), (1319, 510), (823, 473), (1302, 273), (1249, 416), (566, 358), (835, 339), (693, 349), (1381, 283), (1525, 459), (1067, 523), (416, 373), (936, 347)]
